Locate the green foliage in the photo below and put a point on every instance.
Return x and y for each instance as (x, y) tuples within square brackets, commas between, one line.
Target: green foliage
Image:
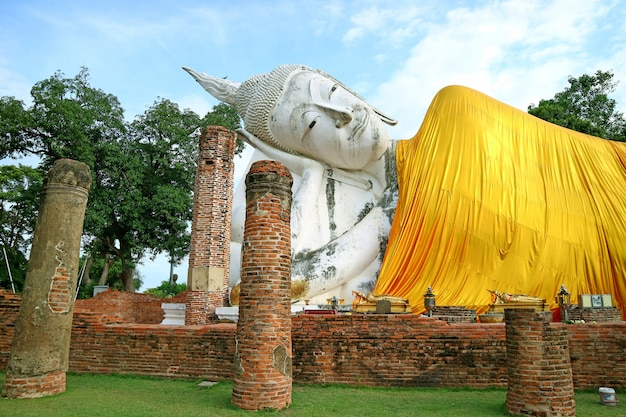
[(167, 290), (142, 199), (113, 275), (14, 122), (225, 115), (585, 106), (20, 187), (68, 119), (143, 172), (18, 264)]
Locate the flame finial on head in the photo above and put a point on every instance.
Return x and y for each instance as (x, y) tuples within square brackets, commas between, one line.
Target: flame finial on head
[(254, 98)]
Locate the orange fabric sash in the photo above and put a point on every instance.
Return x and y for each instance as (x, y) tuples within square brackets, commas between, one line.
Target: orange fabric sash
[(492, 198)]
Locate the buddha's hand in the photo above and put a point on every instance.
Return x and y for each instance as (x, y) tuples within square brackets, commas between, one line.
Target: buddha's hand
[(297, 164)]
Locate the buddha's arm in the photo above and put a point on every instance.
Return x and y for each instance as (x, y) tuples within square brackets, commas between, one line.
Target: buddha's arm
[(345, 257), (312, 175)]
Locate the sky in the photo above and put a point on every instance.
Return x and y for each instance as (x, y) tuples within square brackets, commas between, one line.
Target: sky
[(396, 55)]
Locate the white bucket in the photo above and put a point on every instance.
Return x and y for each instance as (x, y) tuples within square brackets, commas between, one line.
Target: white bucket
[(607, 396)]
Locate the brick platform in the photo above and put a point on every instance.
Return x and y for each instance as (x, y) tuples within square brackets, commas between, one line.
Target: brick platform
[(109, 336), (35, 386)]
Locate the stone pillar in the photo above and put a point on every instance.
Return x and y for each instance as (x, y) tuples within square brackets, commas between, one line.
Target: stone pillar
[(263, 357), (539, 371), (209, 252), (41, 345)]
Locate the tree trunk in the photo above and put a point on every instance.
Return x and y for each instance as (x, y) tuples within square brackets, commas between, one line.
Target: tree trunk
[(87, 276), (127, 278), (104, 276)]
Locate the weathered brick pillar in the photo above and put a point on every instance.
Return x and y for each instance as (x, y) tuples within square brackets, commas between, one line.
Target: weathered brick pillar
[(209, 252), (41, 345), (263, 357), (539, 372)]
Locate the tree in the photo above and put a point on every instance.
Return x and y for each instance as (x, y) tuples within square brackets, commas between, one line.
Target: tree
[(142, 200), (167, 289), (20, 187), (68, 119), (585, 106), (225, 115), (143, 172)]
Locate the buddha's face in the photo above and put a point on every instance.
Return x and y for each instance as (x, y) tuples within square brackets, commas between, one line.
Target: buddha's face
[(318, 118)]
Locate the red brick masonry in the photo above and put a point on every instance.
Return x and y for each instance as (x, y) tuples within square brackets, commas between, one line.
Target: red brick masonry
[(209, 250), (263, 361), (540, 375), (374, 350)]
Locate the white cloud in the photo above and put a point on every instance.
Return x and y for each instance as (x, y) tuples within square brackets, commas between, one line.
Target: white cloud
[(379, 58), (325, 21), (353, 34), (518, 52), (388, 24), (13, 84)]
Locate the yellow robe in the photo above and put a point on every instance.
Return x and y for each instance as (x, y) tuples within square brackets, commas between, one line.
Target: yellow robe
[(492, 198)]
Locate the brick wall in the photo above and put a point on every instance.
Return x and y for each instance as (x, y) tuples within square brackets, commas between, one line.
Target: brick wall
[(384, 350), (595, 314), (397, 350), (152, 349), (9, 310), (598, 354), (124, 307)]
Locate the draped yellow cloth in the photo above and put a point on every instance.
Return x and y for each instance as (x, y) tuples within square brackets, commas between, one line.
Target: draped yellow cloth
[(491, 197)]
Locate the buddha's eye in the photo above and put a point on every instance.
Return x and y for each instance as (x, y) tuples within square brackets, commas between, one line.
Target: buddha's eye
[(332, 90)]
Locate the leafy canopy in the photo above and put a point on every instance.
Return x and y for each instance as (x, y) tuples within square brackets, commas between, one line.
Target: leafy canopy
[(19, 192), (143, 171), (585, 106)]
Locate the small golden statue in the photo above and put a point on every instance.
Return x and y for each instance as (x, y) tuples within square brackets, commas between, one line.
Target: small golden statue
[(367, 303), (505, 297)]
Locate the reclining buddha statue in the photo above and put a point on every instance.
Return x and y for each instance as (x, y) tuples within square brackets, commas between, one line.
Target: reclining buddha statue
[(483, 196)]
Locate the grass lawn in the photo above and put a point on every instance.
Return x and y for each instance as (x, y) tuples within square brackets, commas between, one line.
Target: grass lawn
[(134, 396)]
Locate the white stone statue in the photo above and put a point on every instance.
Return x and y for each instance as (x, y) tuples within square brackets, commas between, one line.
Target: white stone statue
[(489, 196), (343, 164)]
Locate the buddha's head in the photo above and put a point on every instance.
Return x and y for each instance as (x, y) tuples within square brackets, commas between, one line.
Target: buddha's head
[(306, 112)]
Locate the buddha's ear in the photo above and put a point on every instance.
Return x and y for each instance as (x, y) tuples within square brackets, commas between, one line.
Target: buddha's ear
[(385, 118)]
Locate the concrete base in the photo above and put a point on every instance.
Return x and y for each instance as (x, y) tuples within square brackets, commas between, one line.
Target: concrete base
[(232, 313), (174, 314)]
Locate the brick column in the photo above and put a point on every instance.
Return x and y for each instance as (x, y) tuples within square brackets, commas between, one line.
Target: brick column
[(209, 252), (41, 345), (263, 357), (539, 371)]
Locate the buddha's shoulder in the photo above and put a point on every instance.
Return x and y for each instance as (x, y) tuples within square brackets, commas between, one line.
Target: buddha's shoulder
[(460, 92)]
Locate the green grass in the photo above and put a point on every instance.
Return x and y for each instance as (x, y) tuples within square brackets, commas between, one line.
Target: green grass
[(134, 396)]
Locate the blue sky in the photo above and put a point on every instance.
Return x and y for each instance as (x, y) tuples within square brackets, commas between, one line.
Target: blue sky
[(396, 54)]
